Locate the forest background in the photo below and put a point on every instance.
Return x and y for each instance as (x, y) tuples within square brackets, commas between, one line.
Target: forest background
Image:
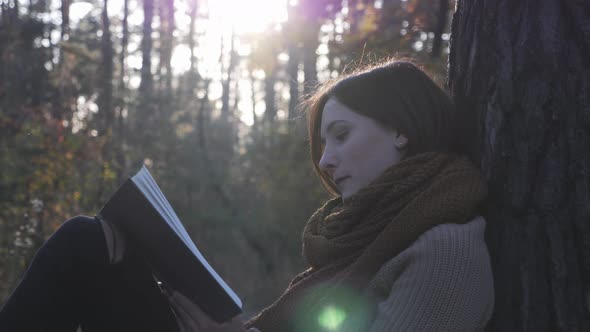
[(206, 94)]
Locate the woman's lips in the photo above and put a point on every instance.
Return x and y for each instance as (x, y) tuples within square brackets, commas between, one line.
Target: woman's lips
[(339, 180)]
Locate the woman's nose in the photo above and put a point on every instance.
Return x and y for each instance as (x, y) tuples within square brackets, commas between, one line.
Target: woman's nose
[(328, 162)]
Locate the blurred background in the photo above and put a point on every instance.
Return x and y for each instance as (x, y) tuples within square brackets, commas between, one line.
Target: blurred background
[(203, 92)]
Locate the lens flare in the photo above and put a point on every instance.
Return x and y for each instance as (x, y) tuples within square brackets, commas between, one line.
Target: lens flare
[(331, 317)]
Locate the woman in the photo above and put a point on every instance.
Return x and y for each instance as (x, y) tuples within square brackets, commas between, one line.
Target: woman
[(401, 246)]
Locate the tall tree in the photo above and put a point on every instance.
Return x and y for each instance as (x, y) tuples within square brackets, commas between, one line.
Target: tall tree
[(124, 44), (64, 107), (521, 69), (255, 121), (120, 132), (167, 27), (441, 23), (146, 84), (313, 13), (65, 19), (292, 35), (270, 79), (144, 114), (203, 119), (226, 81), (264, 56), (194, 6), (105, 101)]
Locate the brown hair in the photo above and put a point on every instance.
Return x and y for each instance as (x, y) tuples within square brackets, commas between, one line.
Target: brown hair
[(396, 94)]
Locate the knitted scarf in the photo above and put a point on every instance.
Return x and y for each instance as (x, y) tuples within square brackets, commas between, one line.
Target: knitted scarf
[(346, 242)]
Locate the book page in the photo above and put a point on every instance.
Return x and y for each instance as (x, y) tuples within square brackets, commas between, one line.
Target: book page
[(148, 186)]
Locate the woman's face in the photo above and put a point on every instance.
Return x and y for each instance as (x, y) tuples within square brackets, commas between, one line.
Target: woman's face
[(357, 150)]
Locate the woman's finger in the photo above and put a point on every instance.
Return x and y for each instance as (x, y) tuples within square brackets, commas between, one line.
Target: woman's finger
[(193, 319), (186, 321)]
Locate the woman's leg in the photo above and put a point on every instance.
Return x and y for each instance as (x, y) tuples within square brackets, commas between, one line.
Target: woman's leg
[(70, 283), (128, 298)]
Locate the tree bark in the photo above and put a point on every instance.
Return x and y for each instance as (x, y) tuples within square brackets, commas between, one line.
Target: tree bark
[(310, 45), (293, 76), (270, 111), (520, 70), (255, 122), (146, 48), (167, 45), (441, 23), (124, 44), (65, 19), (105, 101), (226, 82), (203, 120), (120, 132), (191, 37), (65, 105), (106, 74)]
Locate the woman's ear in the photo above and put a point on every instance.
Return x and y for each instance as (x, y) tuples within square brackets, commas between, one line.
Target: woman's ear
[(400, 141)]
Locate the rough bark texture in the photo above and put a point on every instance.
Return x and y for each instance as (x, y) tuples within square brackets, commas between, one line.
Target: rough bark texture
[(521, 69)]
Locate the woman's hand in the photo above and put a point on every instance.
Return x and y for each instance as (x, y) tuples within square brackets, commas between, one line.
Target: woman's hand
[(191, 318)]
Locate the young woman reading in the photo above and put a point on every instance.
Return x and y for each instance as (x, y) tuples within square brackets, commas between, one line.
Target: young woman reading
[(400, 247)]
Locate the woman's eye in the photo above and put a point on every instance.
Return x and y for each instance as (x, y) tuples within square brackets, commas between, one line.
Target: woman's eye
[(341, 136)]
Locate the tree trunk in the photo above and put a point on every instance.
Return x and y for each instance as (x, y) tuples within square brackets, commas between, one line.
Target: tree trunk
[(255, 122), (293, 76), (120, 132), (270, 111), (191, 39), (202, 119), (310, 45), (65, 104), (106, 73), (171, 25), (521, 69), (226, 83), (105, 102), (166, 45), (65, 19), (144, 114), (146, 48), (441, 23), (124, 44)]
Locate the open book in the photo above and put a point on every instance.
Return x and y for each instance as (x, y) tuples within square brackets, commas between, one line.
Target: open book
[(142, 212)]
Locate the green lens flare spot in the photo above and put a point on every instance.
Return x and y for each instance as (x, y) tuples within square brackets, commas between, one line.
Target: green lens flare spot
[(331, 317)]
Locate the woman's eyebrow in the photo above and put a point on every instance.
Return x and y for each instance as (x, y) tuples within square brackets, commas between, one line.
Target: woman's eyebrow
[(335, 122), (330, 127)]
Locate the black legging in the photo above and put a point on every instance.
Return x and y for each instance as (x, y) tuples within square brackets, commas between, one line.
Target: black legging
[(70, 283)]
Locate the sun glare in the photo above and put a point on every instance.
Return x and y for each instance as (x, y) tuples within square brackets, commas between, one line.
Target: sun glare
[(249, 16), (220, 19)]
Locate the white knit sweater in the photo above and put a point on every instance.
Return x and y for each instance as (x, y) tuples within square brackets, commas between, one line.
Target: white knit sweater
[(442, 282)]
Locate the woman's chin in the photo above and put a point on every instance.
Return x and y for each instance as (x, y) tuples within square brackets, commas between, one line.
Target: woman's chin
[(346, 193)]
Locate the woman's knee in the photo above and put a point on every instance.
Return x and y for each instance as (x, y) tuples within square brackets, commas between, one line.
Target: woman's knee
[(79, 237)]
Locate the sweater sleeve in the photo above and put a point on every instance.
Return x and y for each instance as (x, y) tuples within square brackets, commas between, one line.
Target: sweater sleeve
[(442, 282)]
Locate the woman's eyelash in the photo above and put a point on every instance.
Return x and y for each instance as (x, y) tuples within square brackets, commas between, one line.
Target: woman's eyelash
[(341, 135)]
